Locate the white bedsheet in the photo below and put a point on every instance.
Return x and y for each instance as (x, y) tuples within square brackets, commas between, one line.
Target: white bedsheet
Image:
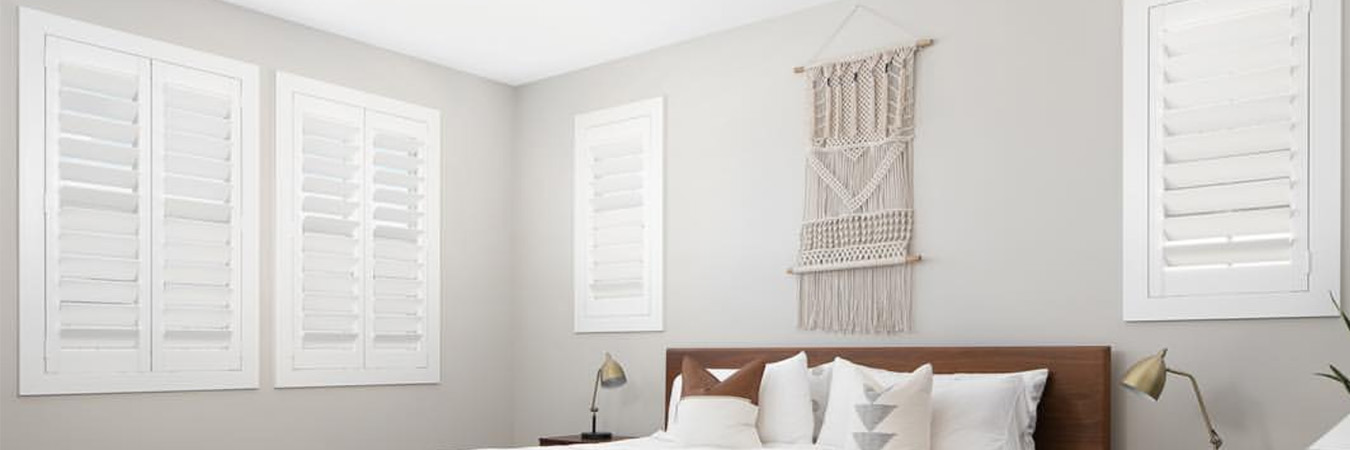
[(659, 441)]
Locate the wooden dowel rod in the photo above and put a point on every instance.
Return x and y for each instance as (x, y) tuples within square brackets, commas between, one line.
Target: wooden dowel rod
[(908, 260), (921, 43)]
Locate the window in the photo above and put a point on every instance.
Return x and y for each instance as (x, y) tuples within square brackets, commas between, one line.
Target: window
[(358, 238), (617, 218), (1232, 158), (138, 205)]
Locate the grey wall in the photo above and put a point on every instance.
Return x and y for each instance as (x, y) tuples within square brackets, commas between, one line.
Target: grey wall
[(466, 410), (1018, 185), (1018, 198)]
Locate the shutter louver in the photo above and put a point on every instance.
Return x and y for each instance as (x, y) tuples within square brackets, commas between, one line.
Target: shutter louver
[(617, 219), (398, 245), (616, 231), (198, 186), (98, 225), (1229, 144), (329, 167)]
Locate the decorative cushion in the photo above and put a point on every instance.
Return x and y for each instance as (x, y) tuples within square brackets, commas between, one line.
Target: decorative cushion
[(971, 411), (785, 415), (699, 381), (866, 414), (716, 421), (718, 413)]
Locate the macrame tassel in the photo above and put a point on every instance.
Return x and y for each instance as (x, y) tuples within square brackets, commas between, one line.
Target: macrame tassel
[(859, 301)]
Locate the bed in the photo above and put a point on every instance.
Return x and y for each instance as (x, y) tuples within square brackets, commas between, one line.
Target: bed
[(1074, 413)]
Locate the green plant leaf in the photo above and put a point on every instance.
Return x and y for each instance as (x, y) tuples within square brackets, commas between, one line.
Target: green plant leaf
[(1338, 377), (1344, 384), (1338, 373), (1344, 318)]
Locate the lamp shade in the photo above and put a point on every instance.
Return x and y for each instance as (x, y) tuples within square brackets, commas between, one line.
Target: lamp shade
[(611, 373), (1148, 376)]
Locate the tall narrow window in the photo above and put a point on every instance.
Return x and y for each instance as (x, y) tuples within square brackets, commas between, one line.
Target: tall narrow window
[(1232, 158), (358, 290), (139, 224), (617, 218)]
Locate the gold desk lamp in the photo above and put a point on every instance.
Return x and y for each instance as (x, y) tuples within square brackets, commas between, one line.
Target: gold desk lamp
[(609, 375), (1149, 376)]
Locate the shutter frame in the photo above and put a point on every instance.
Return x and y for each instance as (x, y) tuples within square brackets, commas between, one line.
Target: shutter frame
[(1302, 289), (36, 210), (376, 366), (631, 305)]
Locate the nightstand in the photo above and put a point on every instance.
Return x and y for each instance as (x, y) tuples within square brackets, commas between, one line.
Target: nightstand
[(573, 439)]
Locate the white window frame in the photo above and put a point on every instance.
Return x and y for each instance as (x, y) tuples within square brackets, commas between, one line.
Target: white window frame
[(287, 375), (587, 318), (34, 28), (1324, 208)]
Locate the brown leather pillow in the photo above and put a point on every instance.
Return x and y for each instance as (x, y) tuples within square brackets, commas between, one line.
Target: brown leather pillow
[(744, 383)]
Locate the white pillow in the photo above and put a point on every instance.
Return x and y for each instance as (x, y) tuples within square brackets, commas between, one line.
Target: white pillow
[(870, 414), (975, 411), (716, 421), (784, 401), (818, 379), (1029, 386), (977, 414)]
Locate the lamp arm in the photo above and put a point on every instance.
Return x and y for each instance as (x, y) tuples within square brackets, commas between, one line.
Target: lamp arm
[(594, 392), (1214, 438)]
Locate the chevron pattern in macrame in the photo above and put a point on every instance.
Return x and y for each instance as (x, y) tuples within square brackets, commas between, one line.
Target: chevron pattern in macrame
[(859, 196)]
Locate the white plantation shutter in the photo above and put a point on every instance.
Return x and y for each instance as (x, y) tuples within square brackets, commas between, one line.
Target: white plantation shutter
[(617, 219), (1233, 210), (358, 253), (98, 228), (397, 232), (198, 174), (138, 224), (328, 167), (1230, 131)]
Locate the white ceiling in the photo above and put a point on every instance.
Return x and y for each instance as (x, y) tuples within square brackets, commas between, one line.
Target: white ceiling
[(519, 41)]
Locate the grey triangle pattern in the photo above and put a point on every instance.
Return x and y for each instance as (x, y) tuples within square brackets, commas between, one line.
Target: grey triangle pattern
[(872, 415), (872, 441)]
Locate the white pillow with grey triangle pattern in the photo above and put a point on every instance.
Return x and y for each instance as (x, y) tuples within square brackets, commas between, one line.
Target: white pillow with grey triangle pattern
[(864, 414), (971, 411)]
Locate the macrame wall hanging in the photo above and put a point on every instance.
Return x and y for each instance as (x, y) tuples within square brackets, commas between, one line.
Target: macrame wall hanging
[(854, 260)]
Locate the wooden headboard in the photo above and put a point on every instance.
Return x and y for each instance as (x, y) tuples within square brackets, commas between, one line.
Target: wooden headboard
[(1075, 412)]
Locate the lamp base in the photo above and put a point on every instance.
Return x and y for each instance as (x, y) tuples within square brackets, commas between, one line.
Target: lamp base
[(597, 435)]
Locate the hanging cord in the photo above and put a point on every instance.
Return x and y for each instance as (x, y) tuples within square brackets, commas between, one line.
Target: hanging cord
[(859, 6)]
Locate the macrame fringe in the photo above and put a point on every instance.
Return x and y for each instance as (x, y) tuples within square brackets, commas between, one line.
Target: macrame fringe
[(873, 300)]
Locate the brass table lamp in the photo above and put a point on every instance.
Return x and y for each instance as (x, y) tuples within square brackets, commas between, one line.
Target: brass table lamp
[(1149, 376), (609, 375)]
